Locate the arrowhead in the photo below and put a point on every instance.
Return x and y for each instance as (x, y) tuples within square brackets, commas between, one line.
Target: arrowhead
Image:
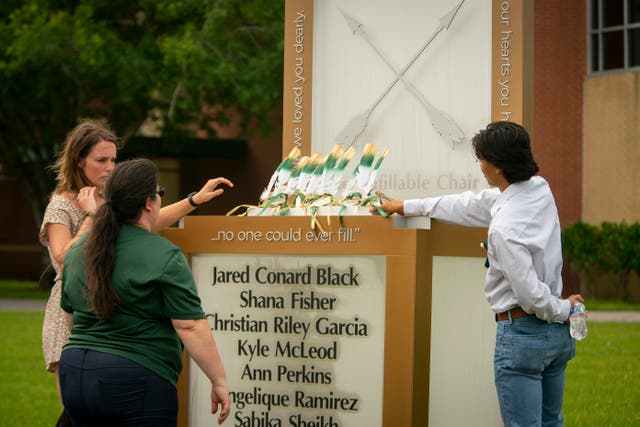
[(447, 19), (354, 25), (353, 129)]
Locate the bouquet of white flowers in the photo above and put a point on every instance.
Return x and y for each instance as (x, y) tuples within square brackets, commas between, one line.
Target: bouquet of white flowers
[(321, 185)]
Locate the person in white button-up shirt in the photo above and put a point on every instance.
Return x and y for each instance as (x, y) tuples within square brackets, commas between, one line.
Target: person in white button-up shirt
[(523, 284)]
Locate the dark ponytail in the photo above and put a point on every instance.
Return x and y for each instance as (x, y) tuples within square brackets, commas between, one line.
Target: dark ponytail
[(125, 192)]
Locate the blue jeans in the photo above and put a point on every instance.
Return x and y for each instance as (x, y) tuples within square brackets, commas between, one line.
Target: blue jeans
[(101, 389), (530, 360)]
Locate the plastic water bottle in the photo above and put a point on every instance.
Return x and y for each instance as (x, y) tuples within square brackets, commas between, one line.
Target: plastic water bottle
[(578, 321)]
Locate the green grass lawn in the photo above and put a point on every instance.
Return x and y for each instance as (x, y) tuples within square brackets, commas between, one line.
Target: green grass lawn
[(21, 289), (611, 305), (29, 397), (603, 381)]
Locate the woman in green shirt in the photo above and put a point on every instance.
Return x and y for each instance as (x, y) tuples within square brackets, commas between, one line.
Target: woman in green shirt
[(132, 302)]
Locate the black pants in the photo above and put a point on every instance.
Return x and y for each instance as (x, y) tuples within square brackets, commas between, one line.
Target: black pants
[(101, 389)]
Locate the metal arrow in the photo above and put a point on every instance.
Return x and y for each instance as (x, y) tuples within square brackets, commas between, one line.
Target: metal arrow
[(443, 125)]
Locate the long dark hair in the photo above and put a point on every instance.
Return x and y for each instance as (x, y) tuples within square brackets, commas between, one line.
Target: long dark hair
[(507, 146), (125, 193)]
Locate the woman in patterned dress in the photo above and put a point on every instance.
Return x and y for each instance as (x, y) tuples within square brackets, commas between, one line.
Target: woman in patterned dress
[(87, 159)]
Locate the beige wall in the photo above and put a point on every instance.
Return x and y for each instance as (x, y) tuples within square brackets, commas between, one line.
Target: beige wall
[(611, 177)]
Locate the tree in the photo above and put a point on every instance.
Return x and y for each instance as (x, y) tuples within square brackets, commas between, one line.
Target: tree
[(611, 248), (179, 65)]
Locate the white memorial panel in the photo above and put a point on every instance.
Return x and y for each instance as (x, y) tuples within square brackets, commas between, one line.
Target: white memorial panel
[(301, 338)]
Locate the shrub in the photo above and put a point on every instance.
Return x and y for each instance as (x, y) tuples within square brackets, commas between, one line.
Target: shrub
[(580, 244), (606, 249)]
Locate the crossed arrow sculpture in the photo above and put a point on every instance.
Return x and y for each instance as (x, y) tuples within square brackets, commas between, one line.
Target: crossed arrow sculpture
[(443, 125)]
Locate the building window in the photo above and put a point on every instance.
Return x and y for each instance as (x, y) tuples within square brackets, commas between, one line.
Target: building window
[(614, 35)]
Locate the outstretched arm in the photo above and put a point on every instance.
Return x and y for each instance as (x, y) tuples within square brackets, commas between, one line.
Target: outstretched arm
[(467, 208), (172, 213)]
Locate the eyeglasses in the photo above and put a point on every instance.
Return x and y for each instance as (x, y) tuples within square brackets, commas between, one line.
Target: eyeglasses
[(160, 191)]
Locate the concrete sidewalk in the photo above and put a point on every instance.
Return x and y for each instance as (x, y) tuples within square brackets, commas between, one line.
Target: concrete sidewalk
[(592, 316), (614, 316), (11, 304)]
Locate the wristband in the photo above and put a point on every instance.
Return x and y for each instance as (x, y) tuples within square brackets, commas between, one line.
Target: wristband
[(191, 201)]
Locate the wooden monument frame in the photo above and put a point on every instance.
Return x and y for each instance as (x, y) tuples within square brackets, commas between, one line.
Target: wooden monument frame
[(409, 260)]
